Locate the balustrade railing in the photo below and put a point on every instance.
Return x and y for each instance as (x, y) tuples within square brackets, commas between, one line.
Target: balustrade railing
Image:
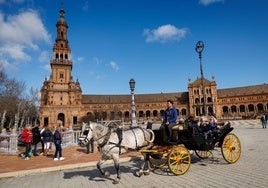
[(9, 140)]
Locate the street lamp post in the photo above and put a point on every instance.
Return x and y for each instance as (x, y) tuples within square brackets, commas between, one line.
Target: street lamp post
[(199, 48), (133, 107)]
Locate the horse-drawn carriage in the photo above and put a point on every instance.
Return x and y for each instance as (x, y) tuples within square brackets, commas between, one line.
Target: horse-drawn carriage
[(176, 156), (114, 140)]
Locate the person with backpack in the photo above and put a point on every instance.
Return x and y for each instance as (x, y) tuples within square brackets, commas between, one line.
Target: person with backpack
[(26, 138), (47, 139)]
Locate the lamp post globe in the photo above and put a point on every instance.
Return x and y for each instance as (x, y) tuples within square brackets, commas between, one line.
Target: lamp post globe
[(199, 47), (132, 84)]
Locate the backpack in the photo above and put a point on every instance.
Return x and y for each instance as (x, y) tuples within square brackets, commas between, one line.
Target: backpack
[(21, 139)]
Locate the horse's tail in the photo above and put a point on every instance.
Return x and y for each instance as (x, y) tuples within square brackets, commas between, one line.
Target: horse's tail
[(152, 135)]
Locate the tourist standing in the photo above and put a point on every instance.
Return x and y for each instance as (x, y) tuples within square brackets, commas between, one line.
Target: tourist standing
[(36, 138), (58, 141), (47, 139), (26, 138)]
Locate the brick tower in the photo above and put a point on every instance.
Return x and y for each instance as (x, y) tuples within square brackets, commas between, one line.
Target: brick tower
[(61, 96)]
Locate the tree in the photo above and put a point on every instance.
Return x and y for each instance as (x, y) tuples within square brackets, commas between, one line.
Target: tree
[(16, 106)]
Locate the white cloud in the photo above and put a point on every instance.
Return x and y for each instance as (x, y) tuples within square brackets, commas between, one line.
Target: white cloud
[(114, 65), (208, 2), (20, 34), (164, 33), (85, 6), (44, 56)]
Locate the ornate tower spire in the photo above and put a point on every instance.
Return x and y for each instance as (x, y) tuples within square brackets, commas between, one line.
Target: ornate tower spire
[(60, 93)]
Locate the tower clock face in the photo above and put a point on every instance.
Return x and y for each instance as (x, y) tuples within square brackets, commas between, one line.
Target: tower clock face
[(199, 46)]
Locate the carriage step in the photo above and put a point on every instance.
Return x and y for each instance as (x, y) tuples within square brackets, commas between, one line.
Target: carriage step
[(148, 151)]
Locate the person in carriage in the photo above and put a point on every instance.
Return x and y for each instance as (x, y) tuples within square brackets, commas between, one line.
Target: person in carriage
[(209, 128), (169, 121)]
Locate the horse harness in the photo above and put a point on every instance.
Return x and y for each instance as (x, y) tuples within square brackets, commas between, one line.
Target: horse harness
[(119, 132)]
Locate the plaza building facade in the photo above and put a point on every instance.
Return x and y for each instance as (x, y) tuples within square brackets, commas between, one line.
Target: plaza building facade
[(63, 103)]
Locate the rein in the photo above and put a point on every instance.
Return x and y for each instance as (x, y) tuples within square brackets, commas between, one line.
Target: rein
[(106, 138)]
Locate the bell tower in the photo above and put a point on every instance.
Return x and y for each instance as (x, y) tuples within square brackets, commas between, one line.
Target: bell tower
[(61, 96)]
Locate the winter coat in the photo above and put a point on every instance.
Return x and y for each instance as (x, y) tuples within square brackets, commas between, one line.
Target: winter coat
[(26, 135), (36, 135), (47, 135)]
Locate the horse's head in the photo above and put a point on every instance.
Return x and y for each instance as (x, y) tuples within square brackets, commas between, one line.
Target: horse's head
[(86, 134)]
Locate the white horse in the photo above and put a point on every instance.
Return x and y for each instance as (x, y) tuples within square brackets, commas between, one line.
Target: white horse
[(113, 141)]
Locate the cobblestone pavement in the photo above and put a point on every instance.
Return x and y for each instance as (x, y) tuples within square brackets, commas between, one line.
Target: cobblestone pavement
[(251, 170)]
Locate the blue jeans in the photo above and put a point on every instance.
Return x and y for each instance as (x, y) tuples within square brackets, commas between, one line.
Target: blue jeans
[(35, 149), (264, 123), (58, 150)]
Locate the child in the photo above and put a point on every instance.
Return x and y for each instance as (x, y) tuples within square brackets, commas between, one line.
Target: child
[(27, 137)]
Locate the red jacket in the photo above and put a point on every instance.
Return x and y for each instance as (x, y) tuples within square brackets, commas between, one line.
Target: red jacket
[(27, 136)]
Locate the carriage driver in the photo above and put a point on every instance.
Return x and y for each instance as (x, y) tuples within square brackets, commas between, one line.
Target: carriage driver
[(169, 121)]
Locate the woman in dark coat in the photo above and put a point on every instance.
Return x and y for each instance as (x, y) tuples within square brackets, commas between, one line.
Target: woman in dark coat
[(36, 138), (47, 139)]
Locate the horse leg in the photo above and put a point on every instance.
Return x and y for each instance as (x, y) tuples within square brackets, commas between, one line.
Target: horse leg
[(117, 168), (145, 162), (99, 164)]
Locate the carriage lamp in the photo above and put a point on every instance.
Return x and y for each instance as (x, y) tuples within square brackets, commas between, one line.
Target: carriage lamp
[(133, 107), (199, 47)]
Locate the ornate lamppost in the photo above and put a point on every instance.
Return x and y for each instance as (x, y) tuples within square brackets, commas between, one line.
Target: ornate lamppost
[(133, 107), (199, 47)]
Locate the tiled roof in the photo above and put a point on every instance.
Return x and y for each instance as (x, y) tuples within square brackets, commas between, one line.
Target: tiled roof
[(243, 91), (140, 98), (180, 96)]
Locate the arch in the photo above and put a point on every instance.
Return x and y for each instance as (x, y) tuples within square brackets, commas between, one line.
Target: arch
[(112, 115), (197, 111), (183, 112), (61, 117), (260, 107), (225, 109), (127, 115), (197, 101), (155, 113), (233, 109), (251, 108), (148, 113), (242, 108), (97, 116), (119, 115), (210, 110), (209, 99), (162, 112), (104, 115), (141, 114), (178, 112)]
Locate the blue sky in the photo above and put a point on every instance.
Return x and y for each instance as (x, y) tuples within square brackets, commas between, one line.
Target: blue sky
[(152, 41)]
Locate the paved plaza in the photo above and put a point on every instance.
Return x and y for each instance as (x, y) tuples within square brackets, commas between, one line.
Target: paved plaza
[(251, 170)]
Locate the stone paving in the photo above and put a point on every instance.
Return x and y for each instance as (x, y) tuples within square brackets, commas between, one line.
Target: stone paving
[(251, 170)]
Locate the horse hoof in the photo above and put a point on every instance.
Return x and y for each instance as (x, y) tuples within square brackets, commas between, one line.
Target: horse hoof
[(107, 174), (147, 172), (116, 181), (139, 173)]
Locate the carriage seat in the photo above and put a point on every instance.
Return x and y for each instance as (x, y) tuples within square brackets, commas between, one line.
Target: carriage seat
[(178, 127), (175, 129)]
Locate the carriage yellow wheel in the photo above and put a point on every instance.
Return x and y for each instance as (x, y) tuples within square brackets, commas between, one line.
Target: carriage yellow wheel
[(231, 148), (203, 154), (179, 160)]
